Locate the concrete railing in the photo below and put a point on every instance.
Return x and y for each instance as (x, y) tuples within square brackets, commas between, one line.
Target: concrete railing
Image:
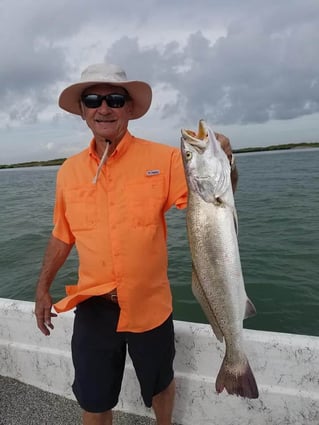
[(286, 368)]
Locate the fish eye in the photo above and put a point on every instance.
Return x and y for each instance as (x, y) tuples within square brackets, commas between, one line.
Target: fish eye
[(188, 155)]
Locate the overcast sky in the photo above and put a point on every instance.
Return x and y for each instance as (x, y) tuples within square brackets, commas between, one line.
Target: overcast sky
[(249, 67)]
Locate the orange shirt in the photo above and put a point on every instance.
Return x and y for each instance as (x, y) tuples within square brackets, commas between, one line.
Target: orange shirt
[(118, 227)]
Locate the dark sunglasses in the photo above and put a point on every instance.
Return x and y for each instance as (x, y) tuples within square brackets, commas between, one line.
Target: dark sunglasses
[(115, 100)]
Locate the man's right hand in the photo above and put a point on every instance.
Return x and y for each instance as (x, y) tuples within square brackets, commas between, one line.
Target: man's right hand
[(43, 306), (56, 253)]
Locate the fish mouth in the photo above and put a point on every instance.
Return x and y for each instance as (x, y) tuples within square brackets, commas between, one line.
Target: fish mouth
[(197, 140)]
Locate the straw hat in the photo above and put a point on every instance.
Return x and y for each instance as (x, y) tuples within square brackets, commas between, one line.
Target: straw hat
[(140, 92)]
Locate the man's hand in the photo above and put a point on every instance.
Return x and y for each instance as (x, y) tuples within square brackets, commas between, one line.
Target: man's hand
[(225, 144), (43, 305), (56, 253)]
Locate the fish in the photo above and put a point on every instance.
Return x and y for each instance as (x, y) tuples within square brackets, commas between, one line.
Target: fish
[(217, 278)]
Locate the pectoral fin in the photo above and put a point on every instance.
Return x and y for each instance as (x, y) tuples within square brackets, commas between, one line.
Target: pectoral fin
[(250, 309)]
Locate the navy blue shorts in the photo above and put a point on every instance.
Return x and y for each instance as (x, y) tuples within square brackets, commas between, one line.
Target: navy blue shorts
[(99, 352)]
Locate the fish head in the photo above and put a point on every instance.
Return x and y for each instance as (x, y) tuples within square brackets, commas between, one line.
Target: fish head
[(206, 165)]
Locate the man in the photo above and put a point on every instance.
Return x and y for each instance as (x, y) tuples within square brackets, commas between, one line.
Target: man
[(110, 202)]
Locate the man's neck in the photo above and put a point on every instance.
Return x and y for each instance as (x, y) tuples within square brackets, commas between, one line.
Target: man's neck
[(100, 146)]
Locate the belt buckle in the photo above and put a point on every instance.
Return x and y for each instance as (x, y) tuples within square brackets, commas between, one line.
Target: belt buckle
[(114, 298)]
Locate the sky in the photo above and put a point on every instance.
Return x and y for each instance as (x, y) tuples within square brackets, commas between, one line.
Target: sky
[(250, 68)]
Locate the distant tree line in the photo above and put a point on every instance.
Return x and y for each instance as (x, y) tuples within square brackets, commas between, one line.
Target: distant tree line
[(286, 146), (58, 161), (278, 147)]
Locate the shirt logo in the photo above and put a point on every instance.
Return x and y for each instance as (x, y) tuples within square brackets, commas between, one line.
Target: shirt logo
[(152, 172)]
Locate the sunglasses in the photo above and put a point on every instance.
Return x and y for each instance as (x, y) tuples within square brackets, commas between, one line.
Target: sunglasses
[(115, 100)]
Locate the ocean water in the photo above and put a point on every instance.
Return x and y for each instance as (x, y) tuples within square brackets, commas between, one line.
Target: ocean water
[(277, 205)]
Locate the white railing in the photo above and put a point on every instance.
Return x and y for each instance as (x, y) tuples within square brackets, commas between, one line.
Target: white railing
[(286, 368)]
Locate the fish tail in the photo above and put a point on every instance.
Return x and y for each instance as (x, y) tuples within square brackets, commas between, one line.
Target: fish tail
[(238, 380)]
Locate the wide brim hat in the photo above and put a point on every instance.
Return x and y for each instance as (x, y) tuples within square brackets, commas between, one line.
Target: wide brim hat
[(139, 91)]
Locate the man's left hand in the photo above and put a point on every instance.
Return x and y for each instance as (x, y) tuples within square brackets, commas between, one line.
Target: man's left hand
[(225, 144)]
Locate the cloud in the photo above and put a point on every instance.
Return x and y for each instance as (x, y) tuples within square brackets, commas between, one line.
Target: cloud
[(232, 63), (253, 74), (263, 67)]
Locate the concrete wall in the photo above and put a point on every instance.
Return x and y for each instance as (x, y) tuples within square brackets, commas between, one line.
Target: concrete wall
[(285, 366)]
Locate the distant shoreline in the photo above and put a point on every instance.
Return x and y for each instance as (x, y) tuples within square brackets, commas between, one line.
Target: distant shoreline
[(287, 146)]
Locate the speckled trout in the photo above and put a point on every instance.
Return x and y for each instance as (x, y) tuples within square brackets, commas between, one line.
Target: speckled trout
[(217, 279)]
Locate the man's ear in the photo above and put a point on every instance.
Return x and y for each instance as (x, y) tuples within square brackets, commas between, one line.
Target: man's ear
[(130, 108)]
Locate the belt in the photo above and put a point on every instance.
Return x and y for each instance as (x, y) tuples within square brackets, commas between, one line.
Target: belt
[(111, 296)]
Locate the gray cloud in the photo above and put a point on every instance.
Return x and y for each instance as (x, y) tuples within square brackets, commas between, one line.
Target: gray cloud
[(263, 66), (253, 74)]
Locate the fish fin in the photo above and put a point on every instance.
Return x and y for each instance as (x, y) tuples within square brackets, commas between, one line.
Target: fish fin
[(250, 310), (201, 297), (237, 380)]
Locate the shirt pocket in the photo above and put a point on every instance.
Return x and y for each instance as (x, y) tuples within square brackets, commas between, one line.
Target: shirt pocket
[(81, 207), (145, 201)]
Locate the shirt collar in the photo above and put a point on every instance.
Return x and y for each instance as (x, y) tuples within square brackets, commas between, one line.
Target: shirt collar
[(120, 149)]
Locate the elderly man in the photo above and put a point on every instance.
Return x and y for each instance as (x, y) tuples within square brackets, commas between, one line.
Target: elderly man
[(110, 202)]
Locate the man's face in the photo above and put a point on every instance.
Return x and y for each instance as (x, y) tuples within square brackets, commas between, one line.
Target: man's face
[(104, 121)]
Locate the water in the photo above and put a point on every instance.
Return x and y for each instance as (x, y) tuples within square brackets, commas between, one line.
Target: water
[(277, 203)]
